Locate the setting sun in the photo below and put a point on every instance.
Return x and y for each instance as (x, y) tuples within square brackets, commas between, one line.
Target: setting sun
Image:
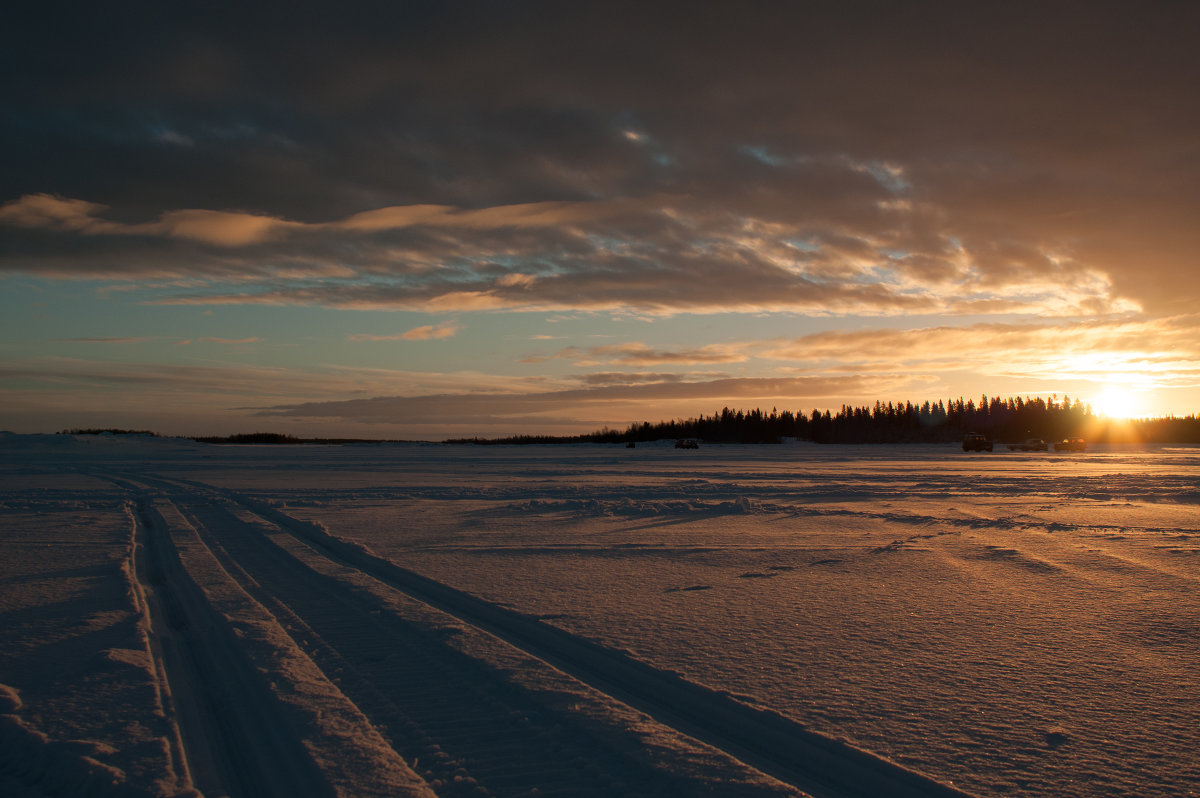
[(1118, 402)]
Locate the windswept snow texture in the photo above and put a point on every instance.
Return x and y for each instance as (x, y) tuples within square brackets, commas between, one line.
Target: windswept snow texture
[(466, 621)]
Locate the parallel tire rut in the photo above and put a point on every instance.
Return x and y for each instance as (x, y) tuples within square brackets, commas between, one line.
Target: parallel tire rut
[(776, 745), (232, 727), (468, 731), (443, 709)]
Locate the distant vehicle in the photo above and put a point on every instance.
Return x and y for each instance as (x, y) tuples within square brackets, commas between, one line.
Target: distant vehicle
[(631, 445), (1029, 445), (686, 444), (976, 442), (1071, 445)]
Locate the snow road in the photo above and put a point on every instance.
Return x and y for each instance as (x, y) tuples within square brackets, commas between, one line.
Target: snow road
[(588, 621), (344, 630), (233, 731)]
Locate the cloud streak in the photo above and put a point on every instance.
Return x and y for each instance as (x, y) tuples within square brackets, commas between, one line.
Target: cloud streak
[(1151, 352), (609, 400), (241, 229), (106, 340), (426, 332), (666, 254), (639, 354), (215, 340)]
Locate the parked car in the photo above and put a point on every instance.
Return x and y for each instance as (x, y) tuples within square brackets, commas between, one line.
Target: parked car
[(1029, 445), (686, 444), (1071, 445), (976, 442)]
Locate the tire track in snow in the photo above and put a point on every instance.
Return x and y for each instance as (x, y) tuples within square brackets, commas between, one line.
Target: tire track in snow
[(235, 734), (762, 738), (463, 726), (139, 575)]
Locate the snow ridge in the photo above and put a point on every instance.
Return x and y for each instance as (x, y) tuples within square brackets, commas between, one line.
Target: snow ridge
[(31, 764)]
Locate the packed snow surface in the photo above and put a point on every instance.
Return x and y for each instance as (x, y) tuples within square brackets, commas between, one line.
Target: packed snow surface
[(420, 620)]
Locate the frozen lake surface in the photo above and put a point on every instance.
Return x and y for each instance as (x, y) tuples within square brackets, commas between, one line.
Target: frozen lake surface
[(589, 620)]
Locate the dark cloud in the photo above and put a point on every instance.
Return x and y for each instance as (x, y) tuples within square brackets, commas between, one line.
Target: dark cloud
[(507, 407), (639, 354), (105, 340), (636, 378), (851, 157)]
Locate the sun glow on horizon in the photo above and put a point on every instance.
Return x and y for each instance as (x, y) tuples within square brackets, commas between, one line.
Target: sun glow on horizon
[(1119, 402)]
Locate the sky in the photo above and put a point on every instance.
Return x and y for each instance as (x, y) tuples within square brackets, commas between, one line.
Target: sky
[(430, 220)]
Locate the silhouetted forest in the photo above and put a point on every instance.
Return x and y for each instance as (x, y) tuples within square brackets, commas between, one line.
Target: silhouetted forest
[(107, 431), (257, 438), (251, 437), (1002, 420)]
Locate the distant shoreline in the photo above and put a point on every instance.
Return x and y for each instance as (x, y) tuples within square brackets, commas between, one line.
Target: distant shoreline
[(1002, 421)]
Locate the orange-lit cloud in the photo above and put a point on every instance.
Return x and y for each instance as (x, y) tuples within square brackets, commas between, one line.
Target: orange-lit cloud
[(531, 214), (220, 228), (235, 229), (427, 332), (660, 256), (54, 213), (1152, 352)]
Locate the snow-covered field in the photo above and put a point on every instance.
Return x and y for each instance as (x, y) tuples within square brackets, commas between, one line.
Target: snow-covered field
[(589, 620)]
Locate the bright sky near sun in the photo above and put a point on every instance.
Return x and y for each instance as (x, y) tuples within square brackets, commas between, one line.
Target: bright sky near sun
[(433, 220)]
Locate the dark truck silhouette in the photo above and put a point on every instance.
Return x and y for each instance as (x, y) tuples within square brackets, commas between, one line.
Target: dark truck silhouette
[(976, 442)]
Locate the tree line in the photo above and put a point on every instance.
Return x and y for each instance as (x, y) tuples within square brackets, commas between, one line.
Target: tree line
[(930, 422), (1001, 419), (261, 438), (106, 431)]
